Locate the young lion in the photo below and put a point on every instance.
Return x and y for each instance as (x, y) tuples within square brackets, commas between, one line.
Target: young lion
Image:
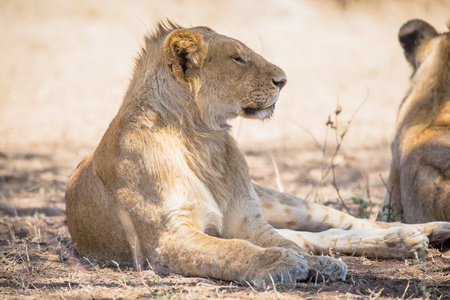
[(419, 180), (168, 184)]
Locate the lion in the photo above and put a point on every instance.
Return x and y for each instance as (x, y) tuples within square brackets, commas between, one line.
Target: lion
[(168, 185), (419, 179)]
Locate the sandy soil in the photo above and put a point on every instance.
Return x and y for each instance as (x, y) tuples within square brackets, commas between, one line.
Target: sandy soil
[(64, 67)]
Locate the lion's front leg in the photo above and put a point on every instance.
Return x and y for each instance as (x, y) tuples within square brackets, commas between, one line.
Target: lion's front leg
[(247, 223), (188, 251)]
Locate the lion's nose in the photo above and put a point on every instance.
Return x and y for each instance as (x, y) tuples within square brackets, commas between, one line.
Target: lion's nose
[(279, 83)]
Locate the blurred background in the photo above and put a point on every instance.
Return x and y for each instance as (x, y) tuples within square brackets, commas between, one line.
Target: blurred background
[(65, 65)]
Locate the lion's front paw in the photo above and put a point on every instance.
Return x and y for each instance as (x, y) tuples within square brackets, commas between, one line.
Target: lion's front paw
[(289, 266), (326, 267)]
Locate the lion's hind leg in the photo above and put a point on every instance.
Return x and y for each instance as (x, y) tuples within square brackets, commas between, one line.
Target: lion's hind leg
[(285, 211)]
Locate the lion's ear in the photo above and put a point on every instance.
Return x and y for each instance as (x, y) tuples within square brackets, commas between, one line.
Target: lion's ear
[(185, 52), (411, 35)]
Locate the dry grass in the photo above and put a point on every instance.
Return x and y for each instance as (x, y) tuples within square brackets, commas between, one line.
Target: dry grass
[(64, 68)]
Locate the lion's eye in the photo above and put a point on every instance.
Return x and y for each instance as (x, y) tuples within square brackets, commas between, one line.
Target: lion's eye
[(239, 59)]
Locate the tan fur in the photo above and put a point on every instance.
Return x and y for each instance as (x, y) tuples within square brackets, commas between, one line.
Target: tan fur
[(168, 184), (419, 179)]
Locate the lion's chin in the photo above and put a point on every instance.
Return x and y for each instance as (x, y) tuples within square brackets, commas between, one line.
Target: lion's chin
[(258, 113)]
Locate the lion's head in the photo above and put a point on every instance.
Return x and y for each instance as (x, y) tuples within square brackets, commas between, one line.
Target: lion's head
[(423, 46), (220, 75), (420, 170), (428, 52)]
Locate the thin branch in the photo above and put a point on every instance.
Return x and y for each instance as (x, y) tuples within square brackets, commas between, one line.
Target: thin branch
[(341, 200), (339, 141)]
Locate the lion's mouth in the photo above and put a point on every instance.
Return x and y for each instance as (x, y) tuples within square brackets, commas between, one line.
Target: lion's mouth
[(252, 111)]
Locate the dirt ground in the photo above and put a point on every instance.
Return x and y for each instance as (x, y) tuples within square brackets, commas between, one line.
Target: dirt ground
[(64, 67)]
